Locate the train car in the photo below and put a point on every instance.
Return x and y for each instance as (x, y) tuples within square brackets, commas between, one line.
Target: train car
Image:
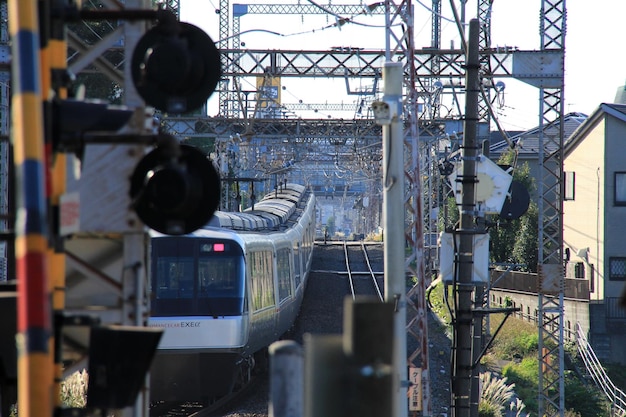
[(227, 291)]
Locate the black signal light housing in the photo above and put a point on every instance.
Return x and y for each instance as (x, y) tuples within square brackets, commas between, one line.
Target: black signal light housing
[(175, 67), (175, 189)]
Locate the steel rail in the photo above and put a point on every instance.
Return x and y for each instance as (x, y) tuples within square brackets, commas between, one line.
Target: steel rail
[(350, 279), (372, 273), (352, 274)]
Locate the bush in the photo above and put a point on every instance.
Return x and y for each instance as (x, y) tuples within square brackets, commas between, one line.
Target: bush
[(436, 302), (496, 394), (617, 373), (517, 341), (73, 392), (585, 400), (524, 376), (528, 343)]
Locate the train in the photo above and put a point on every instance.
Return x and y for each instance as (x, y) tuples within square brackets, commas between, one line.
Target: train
[(225, 292)]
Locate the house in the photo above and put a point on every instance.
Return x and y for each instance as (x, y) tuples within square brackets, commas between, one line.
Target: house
[(527, 143), (594, 223), (594, 227)]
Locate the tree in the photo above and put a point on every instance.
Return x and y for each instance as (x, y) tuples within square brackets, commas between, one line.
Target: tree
[(511, 241), (516, 241), (204, 144), (449, 215), (330, 224)]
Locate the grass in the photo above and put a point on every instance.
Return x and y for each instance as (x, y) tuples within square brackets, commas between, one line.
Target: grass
[(435, 299), (74, 390), (513, 355), (515, 340)]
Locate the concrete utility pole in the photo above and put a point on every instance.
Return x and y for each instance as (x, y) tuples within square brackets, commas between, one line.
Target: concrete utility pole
[(464, 403), (393, 222)]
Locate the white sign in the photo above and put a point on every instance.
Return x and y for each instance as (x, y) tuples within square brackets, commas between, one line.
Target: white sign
[(415, 390), (69, 221)]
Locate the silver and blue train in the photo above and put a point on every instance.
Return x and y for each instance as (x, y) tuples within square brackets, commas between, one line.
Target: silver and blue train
[(227, 291)]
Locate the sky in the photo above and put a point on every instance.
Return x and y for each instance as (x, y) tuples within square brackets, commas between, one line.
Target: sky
[(595, 62)]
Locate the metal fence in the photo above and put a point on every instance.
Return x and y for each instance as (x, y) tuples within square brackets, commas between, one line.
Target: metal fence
[(616, 397)]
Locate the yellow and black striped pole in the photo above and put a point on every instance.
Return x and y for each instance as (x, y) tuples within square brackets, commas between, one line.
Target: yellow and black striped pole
[(53, 71), (31, 242)]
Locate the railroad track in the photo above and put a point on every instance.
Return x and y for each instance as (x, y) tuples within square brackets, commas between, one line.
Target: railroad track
[(363, 280), (196, 409)]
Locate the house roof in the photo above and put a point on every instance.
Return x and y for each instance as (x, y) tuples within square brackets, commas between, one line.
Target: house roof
[(527, 143), (616, 110)]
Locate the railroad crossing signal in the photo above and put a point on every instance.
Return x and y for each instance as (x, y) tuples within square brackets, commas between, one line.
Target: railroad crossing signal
[(72, 119), (119, 358), (175, 189), (175, 67)]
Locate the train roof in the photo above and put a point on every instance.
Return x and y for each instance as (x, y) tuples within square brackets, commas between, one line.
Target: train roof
[(214, 233), (272, 212)]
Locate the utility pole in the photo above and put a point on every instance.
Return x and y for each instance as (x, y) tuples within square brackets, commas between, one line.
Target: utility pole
[(389, 115), (464, 386)]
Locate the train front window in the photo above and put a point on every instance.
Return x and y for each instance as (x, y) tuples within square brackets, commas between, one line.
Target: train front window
[(217, 276), (174, 277), (196, 277)]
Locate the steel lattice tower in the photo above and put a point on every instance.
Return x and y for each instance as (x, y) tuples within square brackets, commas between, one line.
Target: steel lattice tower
[(550, 186), (173, 6), (401, 44)]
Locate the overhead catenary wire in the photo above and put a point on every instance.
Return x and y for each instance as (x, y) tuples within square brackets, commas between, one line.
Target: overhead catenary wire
[(483, 94), (434, 13), (340, 21)]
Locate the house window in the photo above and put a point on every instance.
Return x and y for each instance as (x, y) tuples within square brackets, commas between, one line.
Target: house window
[(570, 185), (579, 270), (617, 269), (620, 188)]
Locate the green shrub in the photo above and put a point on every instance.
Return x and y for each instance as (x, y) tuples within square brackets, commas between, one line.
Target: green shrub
[(524, 376), (517, 342), (527, 342), (437, 302), (497, 396), (617, 373), (583, 399)]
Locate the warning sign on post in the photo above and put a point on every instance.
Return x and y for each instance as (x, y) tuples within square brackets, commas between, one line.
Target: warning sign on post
[(415, 390), (70, 214)]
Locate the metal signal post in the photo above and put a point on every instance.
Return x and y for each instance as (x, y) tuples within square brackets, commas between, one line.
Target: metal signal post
[(464, 383), (173, 189)]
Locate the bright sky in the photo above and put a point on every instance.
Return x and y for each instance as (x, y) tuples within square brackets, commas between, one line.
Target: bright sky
[(595, 61)]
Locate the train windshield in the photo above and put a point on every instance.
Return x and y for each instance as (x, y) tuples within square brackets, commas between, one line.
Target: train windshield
[(201, 277)]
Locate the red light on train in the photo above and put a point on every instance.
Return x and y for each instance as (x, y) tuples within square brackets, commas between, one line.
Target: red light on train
[(218, 247)]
